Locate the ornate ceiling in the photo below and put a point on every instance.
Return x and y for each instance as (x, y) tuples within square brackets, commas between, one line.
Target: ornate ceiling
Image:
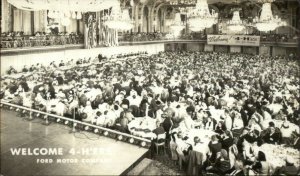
[(64, 5)]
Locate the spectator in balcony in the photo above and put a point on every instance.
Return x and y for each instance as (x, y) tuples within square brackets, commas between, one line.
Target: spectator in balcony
[(61, 64), (11, 70), (25, 69)]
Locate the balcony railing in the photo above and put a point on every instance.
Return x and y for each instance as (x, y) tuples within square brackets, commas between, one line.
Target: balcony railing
[(143, 37), (36, 41), (52, 40), (151, 37)]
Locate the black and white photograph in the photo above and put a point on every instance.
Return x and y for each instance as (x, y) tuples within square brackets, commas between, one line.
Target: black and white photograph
[(150, 87)]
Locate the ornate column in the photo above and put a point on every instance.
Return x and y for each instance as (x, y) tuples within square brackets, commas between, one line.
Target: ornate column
[(136, 17), (164, 27), (141, 20)]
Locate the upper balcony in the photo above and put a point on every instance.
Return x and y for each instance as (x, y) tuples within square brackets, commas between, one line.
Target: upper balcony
[(16, 42)]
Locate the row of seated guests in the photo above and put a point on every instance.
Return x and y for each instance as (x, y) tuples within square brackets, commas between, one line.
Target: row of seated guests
[(237, 96), (226, 154), (143, 36), (41, 68)]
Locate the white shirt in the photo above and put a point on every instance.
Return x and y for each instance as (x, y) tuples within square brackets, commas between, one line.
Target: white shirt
[(228, 122), (89, 112), (189, 123), (103, 120), (134, 101), (159, 114), (286, 132), (238, 123)]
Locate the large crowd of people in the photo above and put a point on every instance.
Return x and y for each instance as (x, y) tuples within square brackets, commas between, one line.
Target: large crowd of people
[(18, 39), (154, 36), (222, 113)]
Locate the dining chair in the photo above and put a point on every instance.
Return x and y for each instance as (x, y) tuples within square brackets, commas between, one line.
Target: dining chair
[(160, 142)]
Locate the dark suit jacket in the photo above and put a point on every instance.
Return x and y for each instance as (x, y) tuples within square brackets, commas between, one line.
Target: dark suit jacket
[(194, 161), (272, 139)]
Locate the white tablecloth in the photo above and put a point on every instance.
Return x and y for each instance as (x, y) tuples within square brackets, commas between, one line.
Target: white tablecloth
[(143, 127), (203, 134), (277, 154)]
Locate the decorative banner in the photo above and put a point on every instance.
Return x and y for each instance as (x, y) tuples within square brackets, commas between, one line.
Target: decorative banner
[(239, 40)]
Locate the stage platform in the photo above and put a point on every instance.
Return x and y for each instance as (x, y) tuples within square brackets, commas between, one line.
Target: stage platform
[(83, 153)]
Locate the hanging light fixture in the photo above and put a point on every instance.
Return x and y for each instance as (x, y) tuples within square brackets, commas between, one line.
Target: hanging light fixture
[(236, 24), (65, 21), (266, 21), (200, 17), (73, 15), (51, 14), (118, 19), (64, 5), (67, 14), (127, 22), (177, 25), (79, 16), (61, 9)]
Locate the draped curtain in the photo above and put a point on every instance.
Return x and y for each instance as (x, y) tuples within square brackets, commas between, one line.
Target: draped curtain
[(90, 26)]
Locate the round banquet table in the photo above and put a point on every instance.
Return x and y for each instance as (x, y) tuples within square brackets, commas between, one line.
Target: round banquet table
[(143, 127), (277, 154), (203, 134)]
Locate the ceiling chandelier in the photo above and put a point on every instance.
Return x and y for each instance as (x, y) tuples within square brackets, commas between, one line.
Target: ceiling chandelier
[(64, 9), (266, 22), (201, 18), (64, 16), (118, 19), (236, 24), (64, 5), (177, 25)]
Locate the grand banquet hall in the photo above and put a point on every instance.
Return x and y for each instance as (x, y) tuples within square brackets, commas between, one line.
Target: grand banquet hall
[(150, 87)]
